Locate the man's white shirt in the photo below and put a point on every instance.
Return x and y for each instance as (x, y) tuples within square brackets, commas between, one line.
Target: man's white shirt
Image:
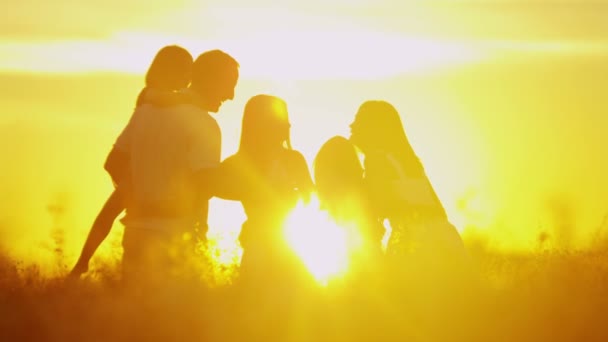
[(167, 147)]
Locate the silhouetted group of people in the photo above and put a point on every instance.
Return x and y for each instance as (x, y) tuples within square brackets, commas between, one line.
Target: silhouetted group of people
[(166, 166)]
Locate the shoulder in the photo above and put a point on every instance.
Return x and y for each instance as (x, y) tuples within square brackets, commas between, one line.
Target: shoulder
[(197, 118), (199, 114), (294, 156), (297, 164), (163, 97), (236, 161), (232, 165), (208, 120), (143, 114), (233, 159), (295, 160), (153, 96)]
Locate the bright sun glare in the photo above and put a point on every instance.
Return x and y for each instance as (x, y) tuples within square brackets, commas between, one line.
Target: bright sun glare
[(322, 245), (325, 247)]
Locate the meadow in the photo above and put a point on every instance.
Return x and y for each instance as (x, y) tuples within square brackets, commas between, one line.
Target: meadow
[(548, 294)]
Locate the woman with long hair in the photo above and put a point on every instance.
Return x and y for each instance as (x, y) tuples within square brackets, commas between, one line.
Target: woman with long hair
[(429, 271), (400, 190), (169, 71), (268, 177)]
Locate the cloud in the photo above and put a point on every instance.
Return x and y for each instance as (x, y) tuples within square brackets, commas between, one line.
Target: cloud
[(66, 19), (288, 54), (289, 40)]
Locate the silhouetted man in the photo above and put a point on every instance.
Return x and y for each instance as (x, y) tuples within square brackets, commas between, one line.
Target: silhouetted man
[(170, 152)]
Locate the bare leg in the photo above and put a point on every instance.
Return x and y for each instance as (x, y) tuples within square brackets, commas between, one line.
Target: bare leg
[(99, 231)]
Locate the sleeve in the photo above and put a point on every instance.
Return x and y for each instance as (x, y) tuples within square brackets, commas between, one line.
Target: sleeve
[(228, 183), (206, 147)]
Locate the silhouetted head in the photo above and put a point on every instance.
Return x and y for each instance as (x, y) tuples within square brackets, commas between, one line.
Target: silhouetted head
[(378, 128), (377, 125), (265, 126), (337, 170), (214, 77), (171, 69)]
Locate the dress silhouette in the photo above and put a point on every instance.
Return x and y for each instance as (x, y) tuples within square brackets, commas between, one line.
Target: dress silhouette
[(268, 177)]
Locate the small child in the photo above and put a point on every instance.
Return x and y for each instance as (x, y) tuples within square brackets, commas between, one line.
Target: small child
[(340, 186)]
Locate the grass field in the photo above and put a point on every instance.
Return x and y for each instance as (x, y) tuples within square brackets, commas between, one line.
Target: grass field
[(547, 295)]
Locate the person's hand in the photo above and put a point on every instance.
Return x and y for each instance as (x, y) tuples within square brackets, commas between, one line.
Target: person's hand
[(79, 269)]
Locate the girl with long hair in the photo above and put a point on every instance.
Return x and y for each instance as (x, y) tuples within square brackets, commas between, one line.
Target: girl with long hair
[(340, 186), (268, 177)]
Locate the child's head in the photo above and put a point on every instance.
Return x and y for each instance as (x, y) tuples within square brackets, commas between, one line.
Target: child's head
[(171, 69), (337, 170), (265, 126)]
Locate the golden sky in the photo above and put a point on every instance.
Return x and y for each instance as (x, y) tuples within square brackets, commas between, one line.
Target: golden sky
[(342, 39), (504, 100)]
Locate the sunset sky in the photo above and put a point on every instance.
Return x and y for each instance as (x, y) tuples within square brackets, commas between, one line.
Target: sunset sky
[(504, 100), (338, 40)]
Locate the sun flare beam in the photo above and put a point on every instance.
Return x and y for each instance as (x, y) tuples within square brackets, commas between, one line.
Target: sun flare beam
[(321, 244)]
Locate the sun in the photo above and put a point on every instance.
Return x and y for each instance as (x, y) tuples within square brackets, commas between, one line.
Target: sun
[(322, 245)]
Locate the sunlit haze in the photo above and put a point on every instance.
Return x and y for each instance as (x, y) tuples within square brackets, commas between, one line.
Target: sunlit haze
[(504, 102)]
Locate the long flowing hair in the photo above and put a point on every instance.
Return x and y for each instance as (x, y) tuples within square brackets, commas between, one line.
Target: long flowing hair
[(265, 128), (170, 70), (337, 170), (381, 124)]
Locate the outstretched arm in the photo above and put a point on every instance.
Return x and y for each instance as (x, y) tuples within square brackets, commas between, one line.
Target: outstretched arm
[(228, 180), (99, 231)]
